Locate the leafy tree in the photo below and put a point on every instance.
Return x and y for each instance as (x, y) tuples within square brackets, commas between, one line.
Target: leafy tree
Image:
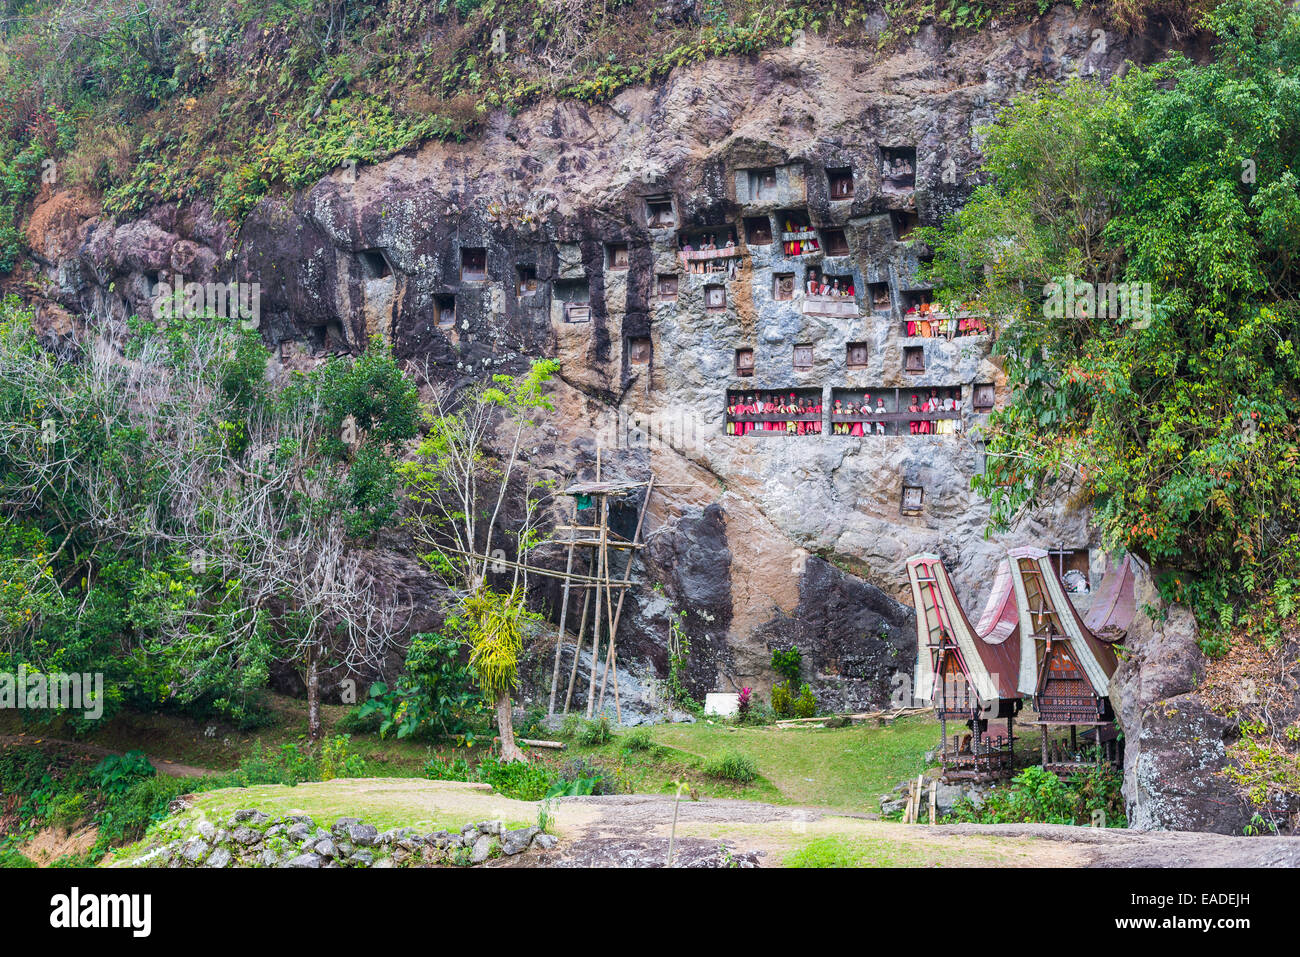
[(1175, 423), (460, 493), (177, 520)]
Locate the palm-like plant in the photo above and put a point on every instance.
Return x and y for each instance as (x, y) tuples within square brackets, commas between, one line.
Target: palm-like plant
[(496, 625)]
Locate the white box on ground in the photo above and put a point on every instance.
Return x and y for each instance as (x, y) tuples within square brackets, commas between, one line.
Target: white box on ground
[(724, 704)]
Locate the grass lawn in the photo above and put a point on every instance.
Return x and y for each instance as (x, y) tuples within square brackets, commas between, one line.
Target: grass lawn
[(845, 768)]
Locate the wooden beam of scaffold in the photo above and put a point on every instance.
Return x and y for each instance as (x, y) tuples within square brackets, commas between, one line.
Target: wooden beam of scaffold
[(586, 581)]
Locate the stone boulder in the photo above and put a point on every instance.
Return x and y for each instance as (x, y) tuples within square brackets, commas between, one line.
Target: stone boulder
[(1175, 748)]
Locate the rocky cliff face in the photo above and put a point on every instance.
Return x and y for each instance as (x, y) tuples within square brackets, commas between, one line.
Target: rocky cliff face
[(1182, 715), (471, 259)]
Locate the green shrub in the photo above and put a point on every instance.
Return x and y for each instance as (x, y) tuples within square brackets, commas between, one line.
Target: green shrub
[(788, 664), (805, 706), (116, 773), (9, 857), (758, 714), (1037, 796), (732, 765), (782, 701), (436, 696), (569, 729), (127, 816), (573, 787), (517, 779), (533, 724), (604, 779), (454, 769), (67, 808), (594, 733), (639, 739), (337, 760)]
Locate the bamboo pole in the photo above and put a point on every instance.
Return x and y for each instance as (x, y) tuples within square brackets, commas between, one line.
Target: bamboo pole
[(559, 637), (595, 624), (618, 614), (609, 645), (577, 650)]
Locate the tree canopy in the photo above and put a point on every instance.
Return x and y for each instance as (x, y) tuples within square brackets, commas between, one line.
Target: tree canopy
[(1176, 423)]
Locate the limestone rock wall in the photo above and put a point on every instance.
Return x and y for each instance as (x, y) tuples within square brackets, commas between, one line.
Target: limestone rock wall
[(471, 258)]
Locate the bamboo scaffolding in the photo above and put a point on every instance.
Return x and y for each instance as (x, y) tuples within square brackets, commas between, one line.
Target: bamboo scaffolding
[(586, 581), (577, 651), (612, 660), (598, 585), (559, 638), (602, 571)]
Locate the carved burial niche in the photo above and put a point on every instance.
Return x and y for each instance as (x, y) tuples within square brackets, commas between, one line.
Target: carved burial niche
[(982, 397), (374, 264), (794, 222), (444, 311), (575, 295), (525, 281), (638, 350), (856, 355), (762, 184), (701, 237), (915, 298), (744, 362), (843, 283), (783, 286), (616, 255), (803, 356), (659, 212), (758, 230), (715, 298), (840, 181), (473, 264), (913, 499), (913, 359), (834, 242), (666, 287), (898, 168), (904, 223), (878, 293)]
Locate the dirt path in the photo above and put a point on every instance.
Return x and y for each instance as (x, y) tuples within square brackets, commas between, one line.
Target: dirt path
[(163, 765), (633, 831)]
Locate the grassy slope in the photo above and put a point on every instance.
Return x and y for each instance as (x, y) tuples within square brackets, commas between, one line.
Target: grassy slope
[(836, 768), (842, 769), (830, 841)]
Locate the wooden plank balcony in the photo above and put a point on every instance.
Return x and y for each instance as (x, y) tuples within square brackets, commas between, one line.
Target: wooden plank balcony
[(845, 306), (777, 417), (706, 255), (893, 416)]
